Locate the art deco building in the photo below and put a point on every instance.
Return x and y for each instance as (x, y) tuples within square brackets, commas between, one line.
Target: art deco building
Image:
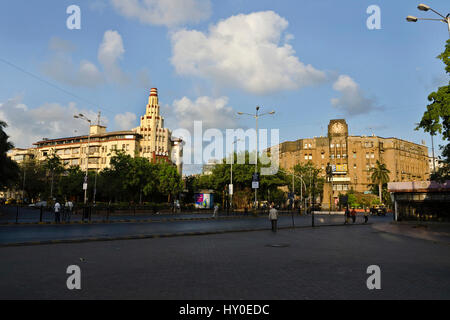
[(351, 158), (150, 140)]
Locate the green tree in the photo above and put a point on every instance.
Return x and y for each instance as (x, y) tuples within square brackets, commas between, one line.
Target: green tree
[(379, 176), (311, 175), (170, 182), (71, 182), (32, 178), (9, 169), (436, 119), (54, 168)]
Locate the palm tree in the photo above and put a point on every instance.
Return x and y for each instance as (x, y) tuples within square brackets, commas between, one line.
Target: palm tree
[(380, 176)]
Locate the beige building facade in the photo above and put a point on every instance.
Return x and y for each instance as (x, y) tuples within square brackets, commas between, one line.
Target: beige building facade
[(94, 151), (352, 157)]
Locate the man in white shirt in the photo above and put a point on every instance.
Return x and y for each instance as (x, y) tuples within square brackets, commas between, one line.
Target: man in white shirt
[(68, 210), (57, 212), (273, 216)]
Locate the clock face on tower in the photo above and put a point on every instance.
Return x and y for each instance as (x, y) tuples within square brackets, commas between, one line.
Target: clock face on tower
[(338, 128)]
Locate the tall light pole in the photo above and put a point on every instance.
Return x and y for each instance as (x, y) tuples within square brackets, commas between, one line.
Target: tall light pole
[(231, 187), (446, 19), (424, 7), (256, 116), (81, 116)]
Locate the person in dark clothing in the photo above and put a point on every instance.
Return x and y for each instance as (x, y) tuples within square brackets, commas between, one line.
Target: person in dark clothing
[(347, 215), (353, 215)]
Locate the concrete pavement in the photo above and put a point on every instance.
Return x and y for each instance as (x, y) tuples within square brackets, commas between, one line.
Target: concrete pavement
[(320, 263)]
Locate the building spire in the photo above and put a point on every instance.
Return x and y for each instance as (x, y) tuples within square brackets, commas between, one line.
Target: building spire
[(153, 98)]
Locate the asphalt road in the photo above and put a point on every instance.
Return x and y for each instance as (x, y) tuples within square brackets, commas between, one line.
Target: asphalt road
[(320, 263), (32, 233)]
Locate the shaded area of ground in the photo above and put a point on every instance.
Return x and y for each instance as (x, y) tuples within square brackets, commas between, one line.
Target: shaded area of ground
[(31, 233), (320, 263)]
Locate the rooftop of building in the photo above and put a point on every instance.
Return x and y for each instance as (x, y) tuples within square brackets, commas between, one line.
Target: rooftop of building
[(106, 134)]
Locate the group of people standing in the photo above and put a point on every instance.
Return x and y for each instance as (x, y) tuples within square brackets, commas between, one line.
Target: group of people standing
[(352, 214), (66, 211)]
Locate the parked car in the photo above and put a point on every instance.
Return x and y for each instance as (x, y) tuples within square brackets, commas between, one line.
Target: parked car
[(10, 201), (378, 210), (38, 204)]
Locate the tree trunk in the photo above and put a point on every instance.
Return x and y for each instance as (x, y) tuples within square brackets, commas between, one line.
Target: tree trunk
[(379, 192)]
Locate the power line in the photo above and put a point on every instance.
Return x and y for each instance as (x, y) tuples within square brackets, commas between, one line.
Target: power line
[(95, 105)]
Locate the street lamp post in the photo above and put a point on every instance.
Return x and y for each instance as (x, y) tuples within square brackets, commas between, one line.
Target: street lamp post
[(256, 116), (231, 188), (424, 7), (446, 19), (81, 116)]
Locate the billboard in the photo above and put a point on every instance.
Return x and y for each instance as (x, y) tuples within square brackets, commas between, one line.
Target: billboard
[(204, 200)]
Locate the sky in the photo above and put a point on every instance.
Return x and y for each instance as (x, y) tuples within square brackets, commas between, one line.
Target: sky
[(309, 61)]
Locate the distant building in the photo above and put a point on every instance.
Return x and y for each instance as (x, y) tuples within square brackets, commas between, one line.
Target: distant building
[(209, 167), (150, 140), (438, 163), (351, 158)]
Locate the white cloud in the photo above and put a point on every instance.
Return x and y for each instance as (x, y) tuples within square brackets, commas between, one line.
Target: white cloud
[(244, 51), (214, 113), (164, 12), (125, 121), (50, 120), (111, 50), (352, 101), (62, 68)]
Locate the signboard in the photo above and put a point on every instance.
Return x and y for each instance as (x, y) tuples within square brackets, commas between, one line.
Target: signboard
[(255, 180), (203, 200), (230, 189), (85, 186), (341, 179), (339, 168)]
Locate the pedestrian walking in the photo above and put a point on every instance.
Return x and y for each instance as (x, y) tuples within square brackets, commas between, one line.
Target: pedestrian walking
[(366, 216), (347, 215), (273, 216), (68, 207), (353, 215), (57, 212), (216, 211)]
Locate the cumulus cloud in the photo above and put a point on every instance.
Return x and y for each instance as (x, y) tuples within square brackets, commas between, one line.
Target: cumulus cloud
[(352, 101), (125, 121), (62, 68), (214, 113), (164, 12), (111, 50), (244, 51), (50, 120)]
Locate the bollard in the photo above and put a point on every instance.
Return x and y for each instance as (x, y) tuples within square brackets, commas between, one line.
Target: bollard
[(17, 214), (40, 214), (107, 213), (90, 213)]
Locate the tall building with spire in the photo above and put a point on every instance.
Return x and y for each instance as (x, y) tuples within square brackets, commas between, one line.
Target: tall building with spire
[(156, 143)]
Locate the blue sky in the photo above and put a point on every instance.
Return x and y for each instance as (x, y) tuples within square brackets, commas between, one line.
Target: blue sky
[(313, 61)]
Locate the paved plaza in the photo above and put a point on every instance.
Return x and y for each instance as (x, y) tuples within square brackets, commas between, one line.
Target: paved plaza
[(305, 263)]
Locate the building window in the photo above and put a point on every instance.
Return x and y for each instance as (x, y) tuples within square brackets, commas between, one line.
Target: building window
[(337, 145), (332, 145), (310, 157), (306, 146), (367, 155), (306, 157), (372, 155), (323, 156), (354, 155)]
